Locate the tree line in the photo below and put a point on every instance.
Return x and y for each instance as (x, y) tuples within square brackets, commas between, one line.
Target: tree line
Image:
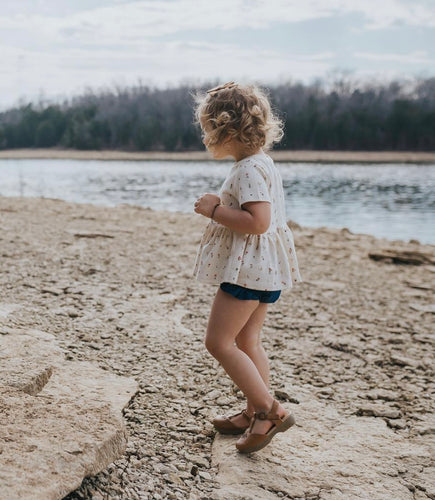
[(341, 116)]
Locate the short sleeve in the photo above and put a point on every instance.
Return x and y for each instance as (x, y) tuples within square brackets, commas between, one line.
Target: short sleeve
[(253, 184)]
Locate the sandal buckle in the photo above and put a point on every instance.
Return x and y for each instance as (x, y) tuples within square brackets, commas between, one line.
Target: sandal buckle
[(262, 415)]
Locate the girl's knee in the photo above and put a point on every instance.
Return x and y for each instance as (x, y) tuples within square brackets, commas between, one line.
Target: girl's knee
[(208, 345), (248, 345), (215, 346), (212, 346)]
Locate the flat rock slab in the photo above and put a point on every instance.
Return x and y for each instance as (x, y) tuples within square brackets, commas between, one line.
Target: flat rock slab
[(6, 309), (61, 420), (27, 359), (325, 456)]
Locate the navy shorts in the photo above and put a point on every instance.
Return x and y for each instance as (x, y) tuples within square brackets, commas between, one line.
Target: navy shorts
[(242, 293)]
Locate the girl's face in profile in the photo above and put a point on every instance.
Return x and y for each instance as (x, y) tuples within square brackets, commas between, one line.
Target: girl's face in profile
[(218, 151)]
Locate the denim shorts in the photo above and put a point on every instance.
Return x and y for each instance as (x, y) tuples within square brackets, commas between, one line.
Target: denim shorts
[(242, 293)]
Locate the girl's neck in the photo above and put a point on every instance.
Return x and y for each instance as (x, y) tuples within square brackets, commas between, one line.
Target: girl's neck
[(245, 155), (240, 153)]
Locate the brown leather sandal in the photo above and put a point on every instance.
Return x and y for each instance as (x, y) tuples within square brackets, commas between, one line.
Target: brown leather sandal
[(250, 442), (224, 425)]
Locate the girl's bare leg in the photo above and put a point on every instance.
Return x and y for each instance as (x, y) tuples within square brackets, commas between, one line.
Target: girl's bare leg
[(227, 318), (248, 340)]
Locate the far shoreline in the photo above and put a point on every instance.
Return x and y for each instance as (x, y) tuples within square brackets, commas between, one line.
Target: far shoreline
[(299, 156)]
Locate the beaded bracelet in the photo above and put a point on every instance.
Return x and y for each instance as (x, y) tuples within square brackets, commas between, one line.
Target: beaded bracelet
[(214, 210)]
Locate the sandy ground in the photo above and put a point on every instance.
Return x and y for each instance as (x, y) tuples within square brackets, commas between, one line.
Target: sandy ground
[(284, 156), (115, 286)]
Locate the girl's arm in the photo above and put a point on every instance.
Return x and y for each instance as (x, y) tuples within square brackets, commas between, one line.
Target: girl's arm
[(252, 218)]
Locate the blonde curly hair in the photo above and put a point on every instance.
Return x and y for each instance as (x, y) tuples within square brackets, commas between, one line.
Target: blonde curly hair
[(242, 112)]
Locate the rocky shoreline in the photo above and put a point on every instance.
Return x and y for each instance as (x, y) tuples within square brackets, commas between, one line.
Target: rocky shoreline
[(309, 156), (351, 353)]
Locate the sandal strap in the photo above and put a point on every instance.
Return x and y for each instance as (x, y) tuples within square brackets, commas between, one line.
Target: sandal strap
[(246, 415), (272, 415)]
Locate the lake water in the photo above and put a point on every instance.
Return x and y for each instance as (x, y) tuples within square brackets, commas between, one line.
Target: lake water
[(396, 201)]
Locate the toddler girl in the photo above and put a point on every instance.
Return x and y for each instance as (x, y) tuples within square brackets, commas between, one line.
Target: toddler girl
[(248, 249)]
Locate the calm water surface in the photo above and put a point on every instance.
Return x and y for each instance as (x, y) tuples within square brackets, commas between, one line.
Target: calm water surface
[(395, 201)]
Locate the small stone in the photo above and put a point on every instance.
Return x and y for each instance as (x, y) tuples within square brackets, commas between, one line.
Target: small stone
[(326, 391), (151, 389), (213, 394), (378, 411), (383, 394), (52, 291), (162, 469), (205, 475), (425, 430), (285, 396), (197, 460), (397, 424), (223, 401), (175, 478), (403, 361)]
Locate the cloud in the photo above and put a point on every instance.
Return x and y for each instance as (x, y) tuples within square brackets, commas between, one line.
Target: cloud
[(128, 25), (62, 46), (73, 69), (418, 57), (149, 18)]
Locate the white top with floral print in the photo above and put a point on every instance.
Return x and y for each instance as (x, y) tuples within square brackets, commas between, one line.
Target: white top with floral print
[(259, 261)]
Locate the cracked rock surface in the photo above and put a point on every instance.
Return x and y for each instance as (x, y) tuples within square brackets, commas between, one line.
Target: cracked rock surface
[(61, 420), (351, 352)]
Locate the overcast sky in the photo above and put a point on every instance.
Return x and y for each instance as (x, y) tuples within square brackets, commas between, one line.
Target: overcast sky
[(57, 48)]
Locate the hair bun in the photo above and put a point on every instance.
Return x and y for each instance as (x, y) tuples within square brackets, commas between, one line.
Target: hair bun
[(223, 118), (256, 111)]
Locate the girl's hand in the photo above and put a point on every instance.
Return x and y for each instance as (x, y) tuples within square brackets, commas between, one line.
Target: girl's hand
[(205, 204)]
